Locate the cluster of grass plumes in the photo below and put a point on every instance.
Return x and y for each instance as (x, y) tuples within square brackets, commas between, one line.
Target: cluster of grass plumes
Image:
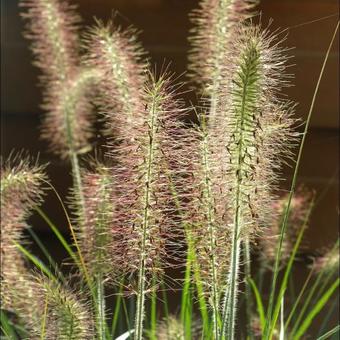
[(168, 194)]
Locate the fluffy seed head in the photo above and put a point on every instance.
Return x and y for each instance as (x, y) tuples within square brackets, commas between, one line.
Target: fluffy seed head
[(52, 28), (21, 182), (95, 229), (254, 125), (68, 122), (239, 150), (172, 329), (66, 314), (117, 55), (144, 212), (213, 28)]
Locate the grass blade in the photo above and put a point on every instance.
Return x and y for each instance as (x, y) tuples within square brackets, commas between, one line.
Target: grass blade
[(315, 310), (58, 234), (6, 327), (298, 299), (259, 303), (116, 310), (327, 335), (40, 265)]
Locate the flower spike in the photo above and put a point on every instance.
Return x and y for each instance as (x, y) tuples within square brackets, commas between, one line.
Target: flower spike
[(52, 27)]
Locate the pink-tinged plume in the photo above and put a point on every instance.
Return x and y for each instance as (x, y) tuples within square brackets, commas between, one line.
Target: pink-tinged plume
[(52, 27)]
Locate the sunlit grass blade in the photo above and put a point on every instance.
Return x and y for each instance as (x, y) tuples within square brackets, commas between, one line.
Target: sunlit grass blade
[(328, 334), (259, 303), (186, 300), (40, 265), (298, 299), (47, 254), (59, 236), (78, 258), (116, 312), (315, 310), (331, 310), (292, 189), (314, 293)]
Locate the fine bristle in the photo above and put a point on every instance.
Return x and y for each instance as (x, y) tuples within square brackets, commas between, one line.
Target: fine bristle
[(213, 28), (117, 55), (94, 232), (66, 315)]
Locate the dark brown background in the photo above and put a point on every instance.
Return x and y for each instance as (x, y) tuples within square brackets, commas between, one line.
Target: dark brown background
[(165, 26)]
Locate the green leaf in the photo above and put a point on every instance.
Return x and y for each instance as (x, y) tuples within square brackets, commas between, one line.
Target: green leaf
[(259, 303), (329, 333), (117, 309), (60, 237), (40, 265), (315, 310), (6, 327), (47, 254)]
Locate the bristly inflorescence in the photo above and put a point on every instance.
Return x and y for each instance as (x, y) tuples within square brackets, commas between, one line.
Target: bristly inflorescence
[(117, 55), (240, 148), (94, 233), (215, 21), (52, 27), (254, 124), (204, 210), (256, 127), (21, 181), (145, 214), (143, 201), (173, 329), (66, 314)]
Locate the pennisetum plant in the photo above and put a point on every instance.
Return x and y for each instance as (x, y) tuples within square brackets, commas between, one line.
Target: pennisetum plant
[(52, 26), (255, 122), (163, 182)]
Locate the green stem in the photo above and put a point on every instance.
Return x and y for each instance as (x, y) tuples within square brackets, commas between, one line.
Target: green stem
[(230, 302), (140, 306), (101, 327), (212, 239), (153, 323), (249, 296)]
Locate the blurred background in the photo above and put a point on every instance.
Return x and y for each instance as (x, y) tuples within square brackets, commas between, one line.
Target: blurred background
[(164, 26)]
